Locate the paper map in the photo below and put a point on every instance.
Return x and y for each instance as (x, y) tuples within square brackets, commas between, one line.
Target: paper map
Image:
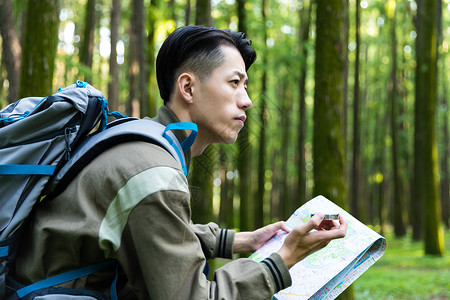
[(329, 271)]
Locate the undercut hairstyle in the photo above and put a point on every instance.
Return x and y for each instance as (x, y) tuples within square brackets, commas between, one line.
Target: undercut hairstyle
[(197, 49)]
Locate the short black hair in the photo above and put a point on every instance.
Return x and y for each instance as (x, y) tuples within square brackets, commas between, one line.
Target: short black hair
[(196, 48)]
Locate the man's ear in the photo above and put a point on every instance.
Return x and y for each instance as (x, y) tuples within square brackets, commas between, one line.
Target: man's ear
[(185, 85)]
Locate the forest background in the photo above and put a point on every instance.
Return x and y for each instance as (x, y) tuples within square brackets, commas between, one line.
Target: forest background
[(350, 99)]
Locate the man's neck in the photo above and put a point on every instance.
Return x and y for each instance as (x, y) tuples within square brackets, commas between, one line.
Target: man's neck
[(183, 115)]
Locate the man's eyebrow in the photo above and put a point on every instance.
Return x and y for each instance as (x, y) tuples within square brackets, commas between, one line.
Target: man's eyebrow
[(241, 75)]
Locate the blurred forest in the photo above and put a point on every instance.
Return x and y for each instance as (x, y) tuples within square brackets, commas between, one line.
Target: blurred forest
[(350, 98)]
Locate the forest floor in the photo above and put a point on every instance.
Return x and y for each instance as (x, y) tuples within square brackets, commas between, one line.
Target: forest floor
[(404, 272)]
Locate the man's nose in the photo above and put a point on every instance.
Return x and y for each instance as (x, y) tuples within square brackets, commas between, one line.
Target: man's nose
[(245, 102)]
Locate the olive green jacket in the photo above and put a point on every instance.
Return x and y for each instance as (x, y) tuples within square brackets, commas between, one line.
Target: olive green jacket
[(132, 203)]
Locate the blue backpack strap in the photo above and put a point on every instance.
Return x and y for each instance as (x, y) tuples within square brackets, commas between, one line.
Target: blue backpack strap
[(65, 277), (186, 144), (27, 169)]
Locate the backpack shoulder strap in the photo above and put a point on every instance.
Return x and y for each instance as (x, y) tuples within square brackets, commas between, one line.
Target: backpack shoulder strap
[(121, 131)]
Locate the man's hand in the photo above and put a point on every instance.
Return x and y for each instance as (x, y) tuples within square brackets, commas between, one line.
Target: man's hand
[(301, 241), (250, 241)]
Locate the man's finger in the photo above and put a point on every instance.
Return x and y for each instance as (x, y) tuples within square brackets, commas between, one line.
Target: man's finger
[(313, 223)]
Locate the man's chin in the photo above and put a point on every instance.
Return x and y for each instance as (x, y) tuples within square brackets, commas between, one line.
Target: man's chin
[(229, 139)]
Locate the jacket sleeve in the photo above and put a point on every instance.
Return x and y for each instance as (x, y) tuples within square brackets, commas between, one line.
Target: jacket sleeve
[(215, 242), (162, 255)]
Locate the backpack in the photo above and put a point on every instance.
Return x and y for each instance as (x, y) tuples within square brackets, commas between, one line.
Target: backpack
[(44, 144)]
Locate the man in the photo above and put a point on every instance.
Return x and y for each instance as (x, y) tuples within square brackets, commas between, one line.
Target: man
[(132, 202)]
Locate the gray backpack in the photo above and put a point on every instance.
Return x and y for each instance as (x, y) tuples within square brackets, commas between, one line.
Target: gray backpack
[(44, 143)]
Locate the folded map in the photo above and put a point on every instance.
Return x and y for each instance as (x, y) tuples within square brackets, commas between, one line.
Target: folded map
[(329, 271)]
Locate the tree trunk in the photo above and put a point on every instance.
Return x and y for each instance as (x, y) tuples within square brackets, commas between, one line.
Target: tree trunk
[(328, 145), (153, 87), (288, 203), (356, 161), (11, 49), (425, 150), (445, 173), (187, 13), (445, 151), (113, 84), (134, 106), (87, 42), (201, 185), (329, 104), (202, 174), (203, 13), (259, 201), (245, 150), (142, 57), (305, 17), (39, 48), (226, 215), (397, 199)]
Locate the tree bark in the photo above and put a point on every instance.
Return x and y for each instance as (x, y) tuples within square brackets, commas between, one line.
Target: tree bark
[(329, 104), (305, 17), (39, 48), (287, 200), (152, 85), (356, 161), (226, 215), (202, 175), (397, 199), (201, 185), (203, 13), (445, 173), (11, 49), (87, 42), (259, 201), (113, 85), (425, 149), (135, 103), (245, 150)]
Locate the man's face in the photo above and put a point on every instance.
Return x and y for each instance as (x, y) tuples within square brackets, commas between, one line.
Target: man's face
[(221, 100)]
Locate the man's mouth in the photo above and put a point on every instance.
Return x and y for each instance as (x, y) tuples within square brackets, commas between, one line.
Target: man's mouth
[(241, 119)]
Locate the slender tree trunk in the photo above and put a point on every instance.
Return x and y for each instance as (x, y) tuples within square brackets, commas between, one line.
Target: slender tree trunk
[(226, 216), (356, 161), (87, 42), (397, 199), (39, 48), (245, 151), (259, 201), (305, 17), (203, 13), (187, 13), (329, 104), (416, 200), (445, 173), (275, 202), (425, 150), (142, 57), (202, 177), (288, 204), (153, 88), (201, 183), (445, 151), (136, 28), (11, 49), (113, 84)]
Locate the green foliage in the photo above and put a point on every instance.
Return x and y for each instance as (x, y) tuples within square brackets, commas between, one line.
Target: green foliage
[(404, 272)]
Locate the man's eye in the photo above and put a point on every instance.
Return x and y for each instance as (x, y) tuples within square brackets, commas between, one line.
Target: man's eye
[(236, 82)]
